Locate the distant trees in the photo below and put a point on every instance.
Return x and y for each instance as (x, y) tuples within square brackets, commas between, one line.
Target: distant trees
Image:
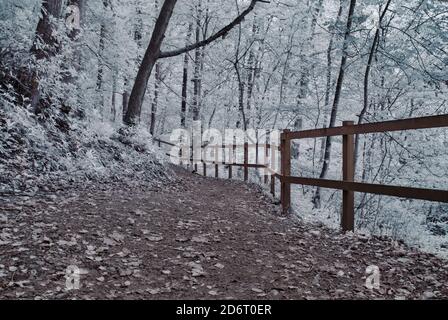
[(337, 97), (153, 53)]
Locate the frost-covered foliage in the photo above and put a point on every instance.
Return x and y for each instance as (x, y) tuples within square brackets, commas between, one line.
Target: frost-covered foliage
[(38, 155), (67, 140)]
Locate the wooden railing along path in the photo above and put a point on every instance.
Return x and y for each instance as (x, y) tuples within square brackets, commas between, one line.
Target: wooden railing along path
[(348, 186)]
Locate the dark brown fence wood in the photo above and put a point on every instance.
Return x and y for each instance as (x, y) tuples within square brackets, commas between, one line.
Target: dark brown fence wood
[(273, 160), (160, 142), (376, 127), (387, 190), (246, 162), (285, 193), (266, 155), (217, 162), (348, 174), (249, 165)]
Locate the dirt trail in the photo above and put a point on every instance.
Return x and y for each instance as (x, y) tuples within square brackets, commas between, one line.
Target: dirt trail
[(197, 238)]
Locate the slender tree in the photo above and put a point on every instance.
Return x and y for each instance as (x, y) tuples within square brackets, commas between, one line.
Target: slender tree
[(183, 107), (337, 97), (100, 73), (197, 80), (372, 51), (155, 100)]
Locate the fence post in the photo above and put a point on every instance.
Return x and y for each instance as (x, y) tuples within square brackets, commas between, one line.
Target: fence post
[(205, 168), (181, 151), (180, 156), (231, 159), (195, 161), (285, 149), (256, 151), (348, 174), (191, 157), (216, 161), (273, 166), (246, 161), (266, 155)]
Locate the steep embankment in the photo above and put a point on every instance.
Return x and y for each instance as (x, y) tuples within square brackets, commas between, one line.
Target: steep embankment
[(52, 150)]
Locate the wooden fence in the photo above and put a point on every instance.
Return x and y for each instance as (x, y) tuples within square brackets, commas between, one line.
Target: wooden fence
[(348, 186)]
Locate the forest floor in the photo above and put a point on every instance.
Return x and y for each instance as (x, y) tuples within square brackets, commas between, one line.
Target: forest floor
[(195, 238)]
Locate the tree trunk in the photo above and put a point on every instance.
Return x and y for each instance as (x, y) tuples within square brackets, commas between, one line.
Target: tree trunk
[(366, 77), (241, 84), (79, 4), (295, 145), (45, 45), (210, 121), (197, 67), (183, 108), (337, 96), (74, 18), (99, 77), (114, 99), (132, 115), (328, 84), (251, 72), (156, 99), (125, 101), (138, 40), (44, 31), (241, 88), (307, 66), (284, 79)]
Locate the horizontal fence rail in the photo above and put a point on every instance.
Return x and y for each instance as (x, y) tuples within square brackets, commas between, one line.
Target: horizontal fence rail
[(347, 185), (375, 127), (394, 191)]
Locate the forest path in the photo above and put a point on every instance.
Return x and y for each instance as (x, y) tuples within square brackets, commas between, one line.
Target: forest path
[(196, 238)]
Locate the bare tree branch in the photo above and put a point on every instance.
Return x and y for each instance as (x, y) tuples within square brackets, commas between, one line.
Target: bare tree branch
[(221, 33)]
